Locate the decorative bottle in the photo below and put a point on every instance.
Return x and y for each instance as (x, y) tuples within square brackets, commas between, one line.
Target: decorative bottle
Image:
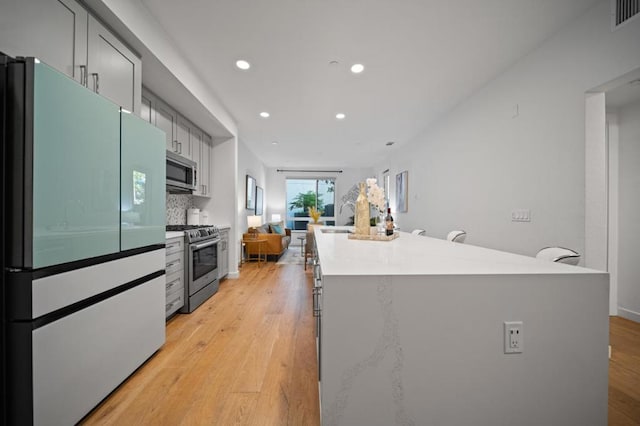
[(362, 212), (388, 223)]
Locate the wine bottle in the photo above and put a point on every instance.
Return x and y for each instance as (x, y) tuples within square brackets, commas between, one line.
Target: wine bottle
[(388, 222)]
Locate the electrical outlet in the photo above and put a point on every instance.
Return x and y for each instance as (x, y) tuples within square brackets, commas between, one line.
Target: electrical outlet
[(513, 337)]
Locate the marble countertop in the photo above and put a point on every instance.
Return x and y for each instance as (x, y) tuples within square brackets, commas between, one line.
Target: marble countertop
[(416, 255)]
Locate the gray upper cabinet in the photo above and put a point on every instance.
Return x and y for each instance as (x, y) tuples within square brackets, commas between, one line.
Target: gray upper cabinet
[(147, 110), (167, 120), (56, 33), (196, 142), (65, 36), (204, 166), (184, 137), (114, 71)]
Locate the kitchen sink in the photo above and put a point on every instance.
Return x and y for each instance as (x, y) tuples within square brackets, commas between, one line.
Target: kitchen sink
[(336, 231)]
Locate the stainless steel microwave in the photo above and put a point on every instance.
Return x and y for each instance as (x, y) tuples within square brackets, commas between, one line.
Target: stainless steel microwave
[(181, 174)]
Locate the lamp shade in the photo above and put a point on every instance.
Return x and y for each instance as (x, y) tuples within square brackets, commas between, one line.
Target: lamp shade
[(254, 221), (275, 217)]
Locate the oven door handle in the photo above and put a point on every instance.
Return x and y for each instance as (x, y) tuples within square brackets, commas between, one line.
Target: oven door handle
[(207, 244)]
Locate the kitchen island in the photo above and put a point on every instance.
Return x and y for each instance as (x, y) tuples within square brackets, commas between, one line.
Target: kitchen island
[(412, 332)]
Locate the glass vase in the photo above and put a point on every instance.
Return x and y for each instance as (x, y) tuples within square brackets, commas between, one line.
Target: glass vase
[(380, 224)]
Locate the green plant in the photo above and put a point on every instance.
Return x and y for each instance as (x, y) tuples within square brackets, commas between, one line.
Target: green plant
[(304, 200)]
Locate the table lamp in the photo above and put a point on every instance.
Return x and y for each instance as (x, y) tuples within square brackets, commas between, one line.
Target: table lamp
[(253, 222), (275, 217)]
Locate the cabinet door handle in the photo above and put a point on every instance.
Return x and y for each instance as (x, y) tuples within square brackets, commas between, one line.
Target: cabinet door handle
[(171, 265), (96, 82), (179, 147), (173, 284), (83, 75), (175, 143)]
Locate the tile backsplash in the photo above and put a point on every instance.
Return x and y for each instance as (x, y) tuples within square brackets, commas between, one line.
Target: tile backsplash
[(177, 205)]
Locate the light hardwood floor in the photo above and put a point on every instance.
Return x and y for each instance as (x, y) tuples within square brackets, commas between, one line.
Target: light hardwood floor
[(247, 357), (624, 372)]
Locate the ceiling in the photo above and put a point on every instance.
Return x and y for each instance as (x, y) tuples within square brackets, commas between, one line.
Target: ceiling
[(421, 58)]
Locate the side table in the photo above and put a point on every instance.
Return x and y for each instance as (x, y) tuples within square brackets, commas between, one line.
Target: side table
[(256, 243)]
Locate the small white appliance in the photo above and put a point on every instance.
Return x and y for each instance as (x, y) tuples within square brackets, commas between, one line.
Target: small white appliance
[(193, 216), (204, 217)]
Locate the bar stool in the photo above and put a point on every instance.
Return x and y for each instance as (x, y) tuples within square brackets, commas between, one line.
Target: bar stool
[(457, 236)]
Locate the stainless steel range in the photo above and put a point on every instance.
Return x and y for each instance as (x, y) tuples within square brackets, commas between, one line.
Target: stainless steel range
[(201, 266)]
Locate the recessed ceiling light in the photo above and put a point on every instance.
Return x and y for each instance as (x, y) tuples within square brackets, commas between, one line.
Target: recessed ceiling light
[(243, 65), (389, 143), (274, 143), (340, 116), (357, 68), (264, 114)]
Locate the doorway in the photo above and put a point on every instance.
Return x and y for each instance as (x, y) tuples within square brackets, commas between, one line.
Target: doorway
[(612, 199)]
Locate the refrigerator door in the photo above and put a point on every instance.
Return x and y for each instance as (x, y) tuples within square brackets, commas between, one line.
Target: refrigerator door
[(76, 168), (143, 183)]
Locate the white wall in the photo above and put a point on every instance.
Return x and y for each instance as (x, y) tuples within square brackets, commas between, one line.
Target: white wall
[(629, 206), (277, 196), (485, 158), (249, 164)]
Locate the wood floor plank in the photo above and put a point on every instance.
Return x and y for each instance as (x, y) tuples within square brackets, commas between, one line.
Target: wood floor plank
[(624, 372), (247, 356)]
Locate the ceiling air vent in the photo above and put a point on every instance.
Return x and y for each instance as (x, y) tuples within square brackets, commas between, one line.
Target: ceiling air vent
[(624, 11)]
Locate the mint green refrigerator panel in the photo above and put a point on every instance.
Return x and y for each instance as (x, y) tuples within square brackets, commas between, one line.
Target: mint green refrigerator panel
[(76, 171), (143, 171)]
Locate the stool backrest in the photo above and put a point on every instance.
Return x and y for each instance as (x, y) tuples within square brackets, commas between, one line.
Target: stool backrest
[(560, 255), (457, 236), (421, 232)]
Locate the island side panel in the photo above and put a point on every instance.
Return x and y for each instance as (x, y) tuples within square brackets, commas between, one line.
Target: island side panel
[(429, 350)]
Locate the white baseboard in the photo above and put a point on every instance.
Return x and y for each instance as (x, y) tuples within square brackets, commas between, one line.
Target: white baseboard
[(629, 314), (233, 275)]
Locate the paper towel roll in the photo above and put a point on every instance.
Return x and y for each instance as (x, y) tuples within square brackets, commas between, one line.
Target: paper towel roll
[(193, 216)]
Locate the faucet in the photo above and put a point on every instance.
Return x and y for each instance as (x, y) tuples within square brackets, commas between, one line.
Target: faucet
[(351, 203)]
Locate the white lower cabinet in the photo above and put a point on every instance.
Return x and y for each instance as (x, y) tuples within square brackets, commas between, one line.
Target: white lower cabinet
[(223, 257), (79, 359), (174, 285)]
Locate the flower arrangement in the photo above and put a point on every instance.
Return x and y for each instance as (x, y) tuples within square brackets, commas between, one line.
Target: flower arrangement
[(315, 214), (375, 195)]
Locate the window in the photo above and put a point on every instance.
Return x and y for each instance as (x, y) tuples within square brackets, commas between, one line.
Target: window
[(304, 193)]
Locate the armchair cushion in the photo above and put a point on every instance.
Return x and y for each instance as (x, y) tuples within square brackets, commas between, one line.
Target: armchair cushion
[(277, 228)]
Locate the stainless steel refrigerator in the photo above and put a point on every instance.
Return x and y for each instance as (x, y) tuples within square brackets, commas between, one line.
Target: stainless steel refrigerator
[(83, 216)]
